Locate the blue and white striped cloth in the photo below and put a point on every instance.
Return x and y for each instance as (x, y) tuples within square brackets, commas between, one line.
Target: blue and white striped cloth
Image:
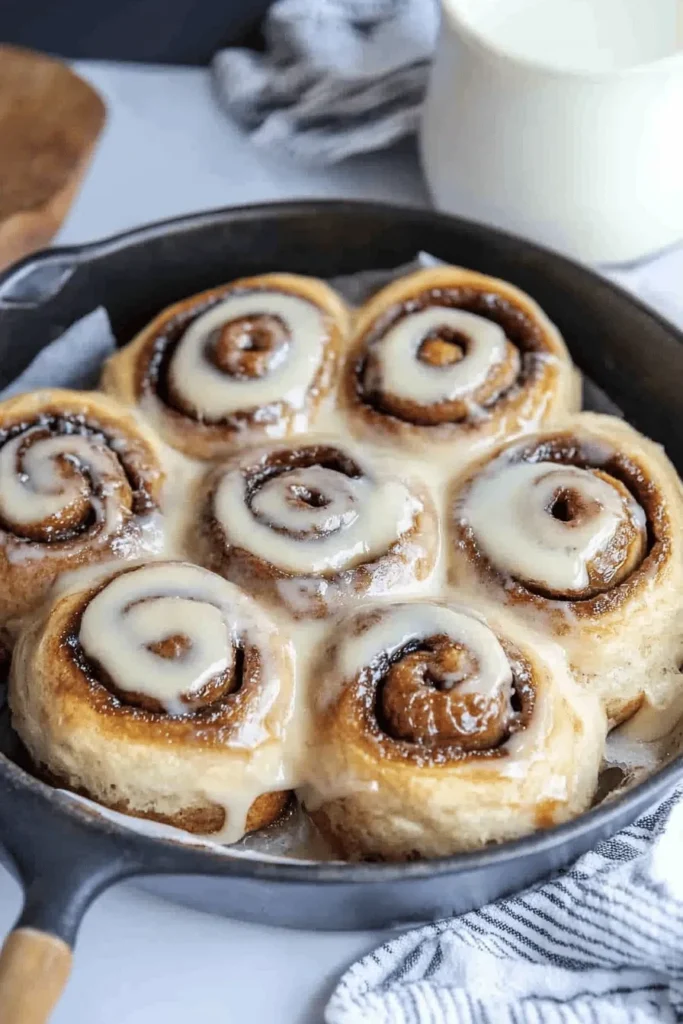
[(601, 944)]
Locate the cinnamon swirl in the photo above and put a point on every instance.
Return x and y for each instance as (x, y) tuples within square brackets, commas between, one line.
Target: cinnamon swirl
[(437, 732), (315, 525), (580, 531), (236, 364), (80, 482), (450, 355), (163, 692)]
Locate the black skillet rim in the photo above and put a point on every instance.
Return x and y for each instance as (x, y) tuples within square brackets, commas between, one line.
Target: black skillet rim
[(185, 859)]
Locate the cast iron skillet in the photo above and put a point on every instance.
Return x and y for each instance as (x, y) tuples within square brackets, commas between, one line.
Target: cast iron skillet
[(65, 856)]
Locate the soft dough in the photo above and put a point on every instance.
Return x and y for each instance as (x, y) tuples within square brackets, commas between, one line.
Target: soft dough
[(439, 730)]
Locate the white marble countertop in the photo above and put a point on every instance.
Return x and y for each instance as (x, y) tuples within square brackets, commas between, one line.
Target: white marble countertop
[(167, 149)]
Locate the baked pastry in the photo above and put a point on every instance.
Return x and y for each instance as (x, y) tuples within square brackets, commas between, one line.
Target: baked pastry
[(424, 695), (162, 691), (314, 526), (436, 731), (80, 482), (580, 531), (234, 365), (452, 356)]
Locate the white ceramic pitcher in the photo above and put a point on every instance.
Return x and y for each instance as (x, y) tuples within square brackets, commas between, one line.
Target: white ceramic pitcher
[(561, 120)]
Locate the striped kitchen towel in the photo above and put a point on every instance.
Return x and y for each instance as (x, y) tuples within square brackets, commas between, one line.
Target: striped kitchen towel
[(337, 77), (601, 944)]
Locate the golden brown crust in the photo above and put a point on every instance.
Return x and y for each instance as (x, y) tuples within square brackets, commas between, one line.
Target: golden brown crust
[(104, 521), (79, 682), (406, 755), (205, 820), (535, 383), (107, 744), (437, 769), (416, 706), (636, 578), (410, 556), (411, 690), (627, 472), (138, 375)]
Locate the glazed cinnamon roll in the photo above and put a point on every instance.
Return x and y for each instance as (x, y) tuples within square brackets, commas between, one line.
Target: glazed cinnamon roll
[(164, 692), (80, 482), (236, 364), (436, 732), (450, 355), (580, 531), (314, 526)]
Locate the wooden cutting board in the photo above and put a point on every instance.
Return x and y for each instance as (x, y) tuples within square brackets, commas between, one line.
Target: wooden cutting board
[(49, 122)]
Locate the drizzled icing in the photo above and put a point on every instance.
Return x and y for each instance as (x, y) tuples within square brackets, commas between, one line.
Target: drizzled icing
[(397, 368), (303, 530), (143, 608), (179, 689), (125, 621), (441, 678), (49, 479), (454, 358), (215, 392), (400, 627), (513, 513), (357, 518), (436, 733), (79, 483)]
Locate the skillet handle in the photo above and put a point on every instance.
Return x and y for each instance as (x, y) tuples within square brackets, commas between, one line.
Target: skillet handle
[(63, 866), (36, 958), (34, 967)]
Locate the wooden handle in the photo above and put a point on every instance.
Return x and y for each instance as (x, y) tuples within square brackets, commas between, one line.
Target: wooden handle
[(34, 967)]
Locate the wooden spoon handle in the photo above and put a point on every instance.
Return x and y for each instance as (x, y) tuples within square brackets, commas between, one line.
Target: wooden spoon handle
[(34, 967)]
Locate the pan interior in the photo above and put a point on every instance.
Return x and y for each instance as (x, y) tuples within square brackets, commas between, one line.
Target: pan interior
[(317, 231)]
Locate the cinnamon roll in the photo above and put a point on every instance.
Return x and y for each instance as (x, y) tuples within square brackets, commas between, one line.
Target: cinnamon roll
[(164, 692), (438, 732), (450, 355), (315, 525), (581, 532), (236, 364), (80, 482)]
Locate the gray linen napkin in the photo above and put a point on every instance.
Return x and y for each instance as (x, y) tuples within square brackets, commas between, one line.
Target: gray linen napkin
[(338, 77)]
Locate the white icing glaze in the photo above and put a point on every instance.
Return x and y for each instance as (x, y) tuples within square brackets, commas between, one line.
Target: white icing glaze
[(364, 518), (509, 512), (157, 601), (41, 489), (275, 501), (401, 373), (405, 624), (293, 765), (215, 394)]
